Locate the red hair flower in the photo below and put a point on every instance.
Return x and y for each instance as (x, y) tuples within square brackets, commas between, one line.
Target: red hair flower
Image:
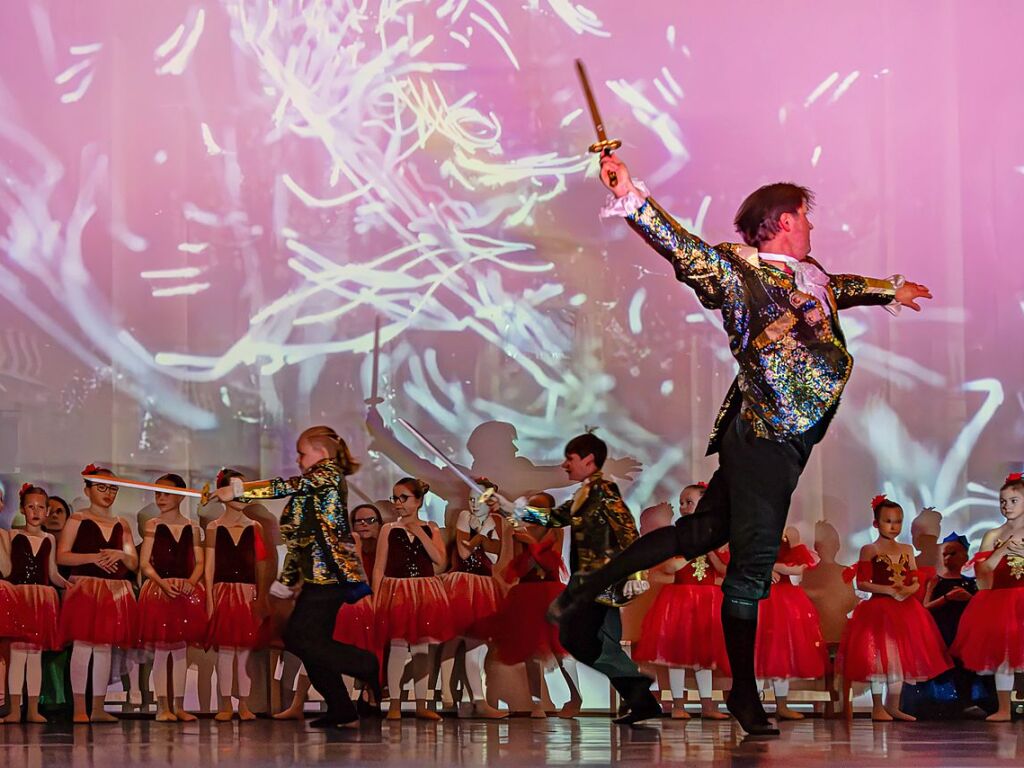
[(702, 485), (220, 477), (92, 469), (24, 488), (1014, 477), (878, 501)]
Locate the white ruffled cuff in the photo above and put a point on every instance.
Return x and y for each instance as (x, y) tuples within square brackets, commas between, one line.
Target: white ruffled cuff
[(626, 205), (894, 307)]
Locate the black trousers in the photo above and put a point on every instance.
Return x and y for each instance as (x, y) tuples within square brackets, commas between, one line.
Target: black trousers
[(745, 505), (309, 635), (594, 637)]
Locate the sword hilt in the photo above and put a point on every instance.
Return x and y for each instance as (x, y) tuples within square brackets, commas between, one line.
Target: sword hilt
[(604, 148)]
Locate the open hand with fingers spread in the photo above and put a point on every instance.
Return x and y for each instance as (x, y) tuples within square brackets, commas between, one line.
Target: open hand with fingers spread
[(908, 294)]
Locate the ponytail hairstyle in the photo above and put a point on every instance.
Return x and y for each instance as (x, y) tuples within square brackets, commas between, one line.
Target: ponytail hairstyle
[(336, 448), (28, 490), (418, 487), (880, 502), (1013, 480), (176, 480)]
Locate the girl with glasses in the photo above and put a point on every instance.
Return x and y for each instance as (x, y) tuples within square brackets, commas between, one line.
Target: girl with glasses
[(99, 611), (412, 607)]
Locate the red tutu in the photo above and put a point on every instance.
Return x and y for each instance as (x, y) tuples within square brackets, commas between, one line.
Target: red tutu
[(520, 630), (7, 604), (234, 623), (414, 609), (356, 624), (100, 612), (990, 637), (168, 622), (34, 617), (893, 640), (790, 645), (473, 599), (684, 629)]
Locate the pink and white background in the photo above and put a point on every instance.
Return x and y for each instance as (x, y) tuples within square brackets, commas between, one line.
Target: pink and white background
[(205, 206)]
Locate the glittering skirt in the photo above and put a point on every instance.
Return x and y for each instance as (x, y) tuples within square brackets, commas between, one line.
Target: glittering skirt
[(100, 612), (356, 624), (684, 629), (414, 609), (990, 637), (520, 629), (7, 603), (234, 623), (35, 621), (473, 599), (892, 640), (170, 622), (789, 640)]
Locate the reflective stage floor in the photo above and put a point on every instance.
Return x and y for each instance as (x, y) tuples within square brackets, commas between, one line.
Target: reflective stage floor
[(518, 742)]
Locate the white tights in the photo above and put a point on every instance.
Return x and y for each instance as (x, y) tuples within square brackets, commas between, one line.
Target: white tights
[(677, 682), (226, 666), (101, 656), (26, 667), (175, 658), (1004, 681), (401, 652)]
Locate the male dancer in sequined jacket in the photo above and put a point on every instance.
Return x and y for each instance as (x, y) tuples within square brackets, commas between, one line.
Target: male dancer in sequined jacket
[(780, 310), (601, 526)]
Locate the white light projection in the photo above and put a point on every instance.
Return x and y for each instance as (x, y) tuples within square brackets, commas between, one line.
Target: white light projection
[(212, 230)]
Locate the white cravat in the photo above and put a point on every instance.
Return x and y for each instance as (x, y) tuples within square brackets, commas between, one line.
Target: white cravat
[(808, 277)]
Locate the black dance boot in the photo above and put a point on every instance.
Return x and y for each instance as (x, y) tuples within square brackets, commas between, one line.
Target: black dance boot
[(636, 695), (744, 701)]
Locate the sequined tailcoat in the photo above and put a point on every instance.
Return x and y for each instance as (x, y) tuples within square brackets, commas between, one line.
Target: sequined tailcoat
[(601, 523), (793, 361), (314, 526)]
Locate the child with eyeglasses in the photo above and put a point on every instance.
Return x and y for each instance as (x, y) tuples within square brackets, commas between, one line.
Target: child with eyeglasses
[(99, 610), (412, 606)]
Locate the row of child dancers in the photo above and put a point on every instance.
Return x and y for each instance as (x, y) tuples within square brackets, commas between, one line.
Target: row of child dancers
[(209, 591)]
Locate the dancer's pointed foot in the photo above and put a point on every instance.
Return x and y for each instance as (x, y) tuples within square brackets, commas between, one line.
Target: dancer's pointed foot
[(749, 713)]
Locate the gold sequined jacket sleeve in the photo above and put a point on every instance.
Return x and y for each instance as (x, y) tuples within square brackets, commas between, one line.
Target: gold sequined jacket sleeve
[(709, 270), (857, 291), (560, 517), (314, 526)]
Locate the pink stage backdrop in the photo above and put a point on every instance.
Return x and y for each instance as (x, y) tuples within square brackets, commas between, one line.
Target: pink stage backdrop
[(206, 205)]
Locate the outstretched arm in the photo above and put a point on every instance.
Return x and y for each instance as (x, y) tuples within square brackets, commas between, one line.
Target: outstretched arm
[(708, 270), (892, 292)]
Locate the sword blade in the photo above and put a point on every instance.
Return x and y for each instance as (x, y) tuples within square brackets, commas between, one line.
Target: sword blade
[(374, 398), (472, 484), (595, 115), (121, 482)]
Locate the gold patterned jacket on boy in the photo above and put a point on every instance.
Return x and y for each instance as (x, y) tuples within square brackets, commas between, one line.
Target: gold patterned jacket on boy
[(793, 361), (600, 524), (314, 526)]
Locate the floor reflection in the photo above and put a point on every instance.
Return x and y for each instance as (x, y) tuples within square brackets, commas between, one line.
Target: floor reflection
[(586, 741)]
